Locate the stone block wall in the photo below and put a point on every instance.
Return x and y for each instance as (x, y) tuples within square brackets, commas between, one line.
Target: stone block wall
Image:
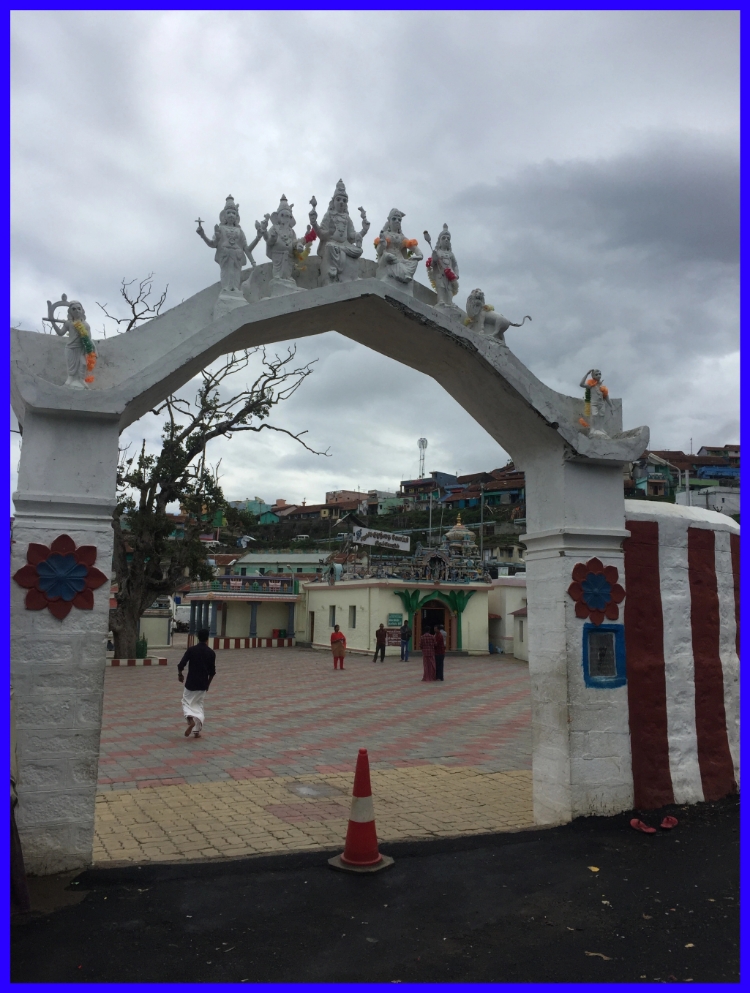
[(57, 672)]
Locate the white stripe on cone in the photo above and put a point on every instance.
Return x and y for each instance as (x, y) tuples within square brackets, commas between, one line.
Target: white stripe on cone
[(362, 810)]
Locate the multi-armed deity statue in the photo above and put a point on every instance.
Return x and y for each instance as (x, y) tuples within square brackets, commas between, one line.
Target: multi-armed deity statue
[(398, 256), (442, 268), (80, 351), (481, 317), (340, 244), (231, 249), (283, 247)]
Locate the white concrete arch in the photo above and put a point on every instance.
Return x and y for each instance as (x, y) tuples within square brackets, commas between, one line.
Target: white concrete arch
[(575, 510)]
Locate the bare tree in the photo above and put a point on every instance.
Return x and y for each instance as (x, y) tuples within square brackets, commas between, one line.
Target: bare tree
[(150, 559), (141, 307)]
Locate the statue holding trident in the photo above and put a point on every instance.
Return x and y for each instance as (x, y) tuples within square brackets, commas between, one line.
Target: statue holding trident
[(442, 269), (80, 351)]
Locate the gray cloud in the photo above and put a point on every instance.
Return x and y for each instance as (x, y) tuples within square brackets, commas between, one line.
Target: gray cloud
[(586, 163), (676, 199)]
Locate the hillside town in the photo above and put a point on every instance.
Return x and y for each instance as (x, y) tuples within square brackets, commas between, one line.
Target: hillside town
[(466, 531)]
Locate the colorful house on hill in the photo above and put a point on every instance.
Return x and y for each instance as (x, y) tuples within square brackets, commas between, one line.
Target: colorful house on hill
[(729, 452), (414, 494), (502, 486), (268, 517)]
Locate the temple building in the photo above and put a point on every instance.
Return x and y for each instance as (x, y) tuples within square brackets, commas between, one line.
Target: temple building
[(360, 606), (456, 558)]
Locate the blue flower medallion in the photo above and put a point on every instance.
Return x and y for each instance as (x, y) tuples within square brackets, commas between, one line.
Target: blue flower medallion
[(596, 591), (61, 576)]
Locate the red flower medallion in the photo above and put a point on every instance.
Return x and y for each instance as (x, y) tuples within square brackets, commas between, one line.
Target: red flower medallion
[(60, 577), (596, 591)]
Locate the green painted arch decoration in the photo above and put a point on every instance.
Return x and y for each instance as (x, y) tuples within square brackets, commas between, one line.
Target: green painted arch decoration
[(413, 600)]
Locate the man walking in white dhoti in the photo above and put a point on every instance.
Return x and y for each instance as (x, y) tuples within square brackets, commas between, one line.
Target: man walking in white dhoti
[(201, 663)]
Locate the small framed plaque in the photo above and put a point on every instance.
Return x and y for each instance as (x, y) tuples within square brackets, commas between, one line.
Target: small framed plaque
[(604, 655)]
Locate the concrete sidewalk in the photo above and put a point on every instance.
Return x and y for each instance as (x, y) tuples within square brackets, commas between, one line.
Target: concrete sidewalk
[(590, 902)]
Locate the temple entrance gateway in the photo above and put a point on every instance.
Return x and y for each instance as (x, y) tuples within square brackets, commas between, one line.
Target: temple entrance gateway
[(432, 613), (432, 616), (66, 493)]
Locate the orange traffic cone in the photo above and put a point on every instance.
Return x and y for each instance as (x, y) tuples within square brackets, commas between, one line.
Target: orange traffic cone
[(361, 846)]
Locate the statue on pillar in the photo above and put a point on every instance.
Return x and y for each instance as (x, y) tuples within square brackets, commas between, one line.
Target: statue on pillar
[(231, 249), (283, 247), (596, 404), (398, 256), (483, 319), (442, 269), (340, 245), (80, 351)]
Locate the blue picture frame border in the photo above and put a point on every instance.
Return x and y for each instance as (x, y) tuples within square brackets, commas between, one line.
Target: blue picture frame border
[(606, 682)]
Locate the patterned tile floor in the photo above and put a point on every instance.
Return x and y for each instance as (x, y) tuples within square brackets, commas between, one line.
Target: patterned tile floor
[(447, 758)]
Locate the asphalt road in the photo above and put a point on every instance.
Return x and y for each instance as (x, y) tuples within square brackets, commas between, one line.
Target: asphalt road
[(525, 907)]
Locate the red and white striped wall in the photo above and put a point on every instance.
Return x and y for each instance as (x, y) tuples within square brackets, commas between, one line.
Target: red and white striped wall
[(218, 643), (147, 661), (682, 641)]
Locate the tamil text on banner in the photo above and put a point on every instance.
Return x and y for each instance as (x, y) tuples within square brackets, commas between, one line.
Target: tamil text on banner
[(368, 536)]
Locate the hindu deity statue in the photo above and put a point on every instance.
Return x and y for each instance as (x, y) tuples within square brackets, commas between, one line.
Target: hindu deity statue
[(231, 249), (340, 244), (596, 406), (483, 319), (80, 351), (398, 256), (283, 247), (442, 268)]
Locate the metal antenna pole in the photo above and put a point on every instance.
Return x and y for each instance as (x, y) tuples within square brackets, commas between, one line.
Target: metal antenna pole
[(422, 443)]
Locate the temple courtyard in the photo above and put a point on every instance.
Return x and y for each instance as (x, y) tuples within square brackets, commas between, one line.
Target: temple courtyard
[(273, 770)]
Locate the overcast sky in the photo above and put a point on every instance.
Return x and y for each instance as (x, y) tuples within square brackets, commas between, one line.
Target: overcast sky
[(586, 162)]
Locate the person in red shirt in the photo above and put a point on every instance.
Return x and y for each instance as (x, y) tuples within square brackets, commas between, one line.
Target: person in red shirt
[(380, 638), (439, 653), (338, 646)]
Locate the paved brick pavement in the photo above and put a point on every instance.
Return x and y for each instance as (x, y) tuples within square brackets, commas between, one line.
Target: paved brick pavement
[(447, 758)]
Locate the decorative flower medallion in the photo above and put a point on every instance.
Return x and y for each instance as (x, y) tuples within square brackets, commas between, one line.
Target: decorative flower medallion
[(60, 577), (596, 591)]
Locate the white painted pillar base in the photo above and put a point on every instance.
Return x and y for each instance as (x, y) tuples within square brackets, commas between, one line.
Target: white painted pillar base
[(581, 739), (66, 486)]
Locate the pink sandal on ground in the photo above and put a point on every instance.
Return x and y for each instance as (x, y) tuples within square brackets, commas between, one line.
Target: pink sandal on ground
[(640, 826), (668, 823)]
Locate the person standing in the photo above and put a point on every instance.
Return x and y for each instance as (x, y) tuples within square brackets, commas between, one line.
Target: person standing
[(427, 644), (201, 663), (338, 646), (405, 639), (439, 652), (381, 636)]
